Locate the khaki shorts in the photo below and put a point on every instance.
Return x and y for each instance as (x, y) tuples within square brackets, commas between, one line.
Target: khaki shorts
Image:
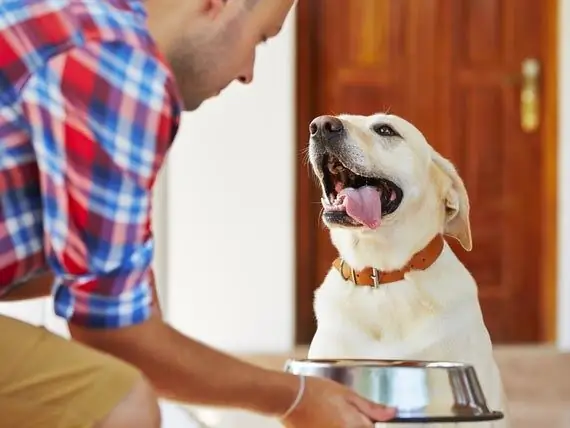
[(47, 381)]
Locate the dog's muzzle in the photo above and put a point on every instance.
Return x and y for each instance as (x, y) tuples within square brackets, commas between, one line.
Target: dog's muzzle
[(326, 130)]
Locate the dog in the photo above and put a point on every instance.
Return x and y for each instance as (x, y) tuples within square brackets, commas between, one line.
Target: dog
[(397, 290)]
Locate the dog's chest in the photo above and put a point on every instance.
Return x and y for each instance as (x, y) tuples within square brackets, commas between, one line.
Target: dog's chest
[(412, 318), (389, 313)]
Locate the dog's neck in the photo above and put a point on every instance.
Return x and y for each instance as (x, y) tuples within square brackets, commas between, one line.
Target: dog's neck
[(392, 245)]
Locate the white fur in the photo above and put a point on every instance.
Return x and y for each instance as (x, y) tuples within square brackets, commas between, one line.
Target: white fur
[(432, 314)]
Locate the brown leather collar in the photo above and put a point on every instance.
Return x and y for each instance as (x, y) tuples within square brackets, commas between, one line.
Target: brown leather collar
[(373, 277)]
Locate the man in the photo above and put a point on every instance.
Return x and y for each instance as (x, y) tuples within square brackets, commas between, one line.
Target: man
[(91, 93)]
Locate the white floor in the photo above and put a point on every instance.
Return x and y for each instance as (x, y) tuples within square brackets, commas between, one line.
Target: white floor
[(226, 418)]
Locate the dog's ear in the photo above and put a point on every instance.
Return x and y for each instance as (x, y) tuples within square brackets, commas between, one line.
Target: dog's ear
[(456, 204)]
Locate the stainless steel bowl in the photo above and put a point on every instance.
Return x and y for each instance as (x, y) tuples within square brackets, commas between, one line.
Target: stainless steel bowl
[(421, 391)]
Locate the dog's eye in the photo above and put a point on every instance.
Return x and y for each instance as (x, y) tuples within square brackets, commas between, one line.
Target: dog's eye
[(385, 131)]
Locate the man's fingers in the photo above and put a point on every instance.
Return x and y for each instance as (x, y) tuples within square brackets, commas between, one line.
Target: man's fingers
[(374, 411)]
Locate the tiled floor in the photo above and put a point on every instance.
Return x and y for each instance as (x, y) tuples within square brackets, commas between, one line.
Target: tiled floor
[(537, 380)]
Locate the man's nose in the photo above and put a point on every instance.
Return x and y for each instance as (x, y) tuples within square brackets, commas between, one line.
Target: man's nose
[(246, 75), (246, 79), (326, 127)]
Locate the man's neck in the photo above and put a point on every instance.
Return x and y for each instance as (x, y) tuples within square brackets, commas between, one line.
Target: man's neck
[(168, 18)]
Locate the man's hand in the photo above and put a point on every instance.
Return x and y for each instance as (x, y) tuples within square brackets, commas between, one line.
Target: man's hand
[(327, 404)]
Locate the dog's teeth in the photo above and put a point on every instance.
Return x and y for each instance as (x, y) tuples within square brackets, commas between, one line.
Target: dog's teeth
[(393, 196), (335, 168)]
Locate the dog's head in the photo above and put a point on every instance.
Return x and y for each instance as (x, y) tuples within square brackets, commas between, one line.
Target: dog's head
[(382, 182)]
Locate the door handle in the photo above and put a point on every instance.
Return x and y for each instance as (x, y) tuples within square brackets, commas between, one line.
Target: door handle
[(529, 96)]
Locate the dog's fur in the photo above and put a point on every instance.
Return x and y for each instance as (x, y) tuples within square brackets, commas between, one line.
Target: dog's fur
[(432, 314)]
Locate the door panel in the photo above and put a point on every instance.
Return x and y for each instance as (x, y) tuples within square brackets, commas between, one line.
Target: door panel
[(453, 69)]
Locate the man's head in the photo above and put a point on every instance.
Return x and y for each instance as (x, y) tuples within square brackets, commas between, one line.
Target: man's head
[(210, 43)]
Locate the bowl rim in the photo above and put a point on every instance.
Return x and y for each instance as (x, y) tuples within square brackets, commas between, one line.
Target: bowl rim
[(378, 363), (488, 416)]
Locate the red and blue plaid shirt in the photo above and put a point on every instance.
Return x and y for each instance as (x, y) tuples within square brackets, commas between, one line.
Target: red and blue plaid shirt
[(88, 111)]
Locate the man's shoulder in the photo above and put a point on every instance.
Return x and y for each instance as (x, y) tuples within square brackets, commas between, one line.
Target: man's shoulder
[(111, 21), (34, 31)]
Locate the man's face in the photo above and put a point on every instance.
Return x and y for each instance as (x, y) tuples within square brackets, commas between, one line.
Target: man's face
[(219, 47)]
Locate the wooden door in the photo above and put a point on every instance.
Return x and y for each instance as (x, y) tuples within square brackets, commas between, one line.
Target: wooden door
[(453, 68)]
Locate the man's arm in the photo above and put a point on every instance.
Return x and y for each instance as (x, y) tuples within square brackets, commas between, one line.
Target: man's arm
[(197, 374), (101, 118), (186, 370)]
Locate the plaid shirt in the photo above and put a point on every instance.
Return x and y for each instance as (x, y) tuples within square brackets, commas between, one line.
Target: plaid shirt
[(88, 111)]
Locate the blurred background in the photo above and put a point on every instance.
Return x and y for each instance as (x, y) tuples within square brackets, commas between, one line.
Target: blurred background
[(487, 81), (240, 247)]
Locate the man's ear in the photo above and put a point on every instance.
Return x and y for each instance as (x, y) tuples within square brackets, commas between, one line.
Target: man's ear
[(456, 204), (213, 7)]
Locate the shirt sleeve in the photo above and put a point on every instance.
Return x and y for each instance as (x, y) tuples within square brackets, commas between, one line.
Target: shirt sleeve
[(101, 119)]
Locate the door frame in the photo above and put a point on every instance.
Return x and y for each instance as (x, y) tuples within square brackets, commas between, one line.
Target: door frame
[(307, 212)]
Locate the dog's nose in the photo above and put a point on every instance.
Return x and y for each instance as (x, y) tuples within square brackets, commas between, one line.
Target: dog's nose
[(326, 127)]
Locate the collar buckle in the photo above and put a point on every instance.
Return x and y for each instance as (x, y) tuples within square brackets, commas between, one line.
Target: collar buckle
[(376, 275)]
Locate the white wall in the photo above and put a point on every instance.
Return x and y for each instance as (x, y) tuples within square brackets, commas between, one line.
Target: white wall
[(563, 311), (160, 230), (230, 201)]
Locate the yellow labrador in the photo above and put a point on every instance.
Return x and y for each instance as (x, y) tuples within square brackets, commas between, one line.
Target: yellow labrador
[(397, 290)]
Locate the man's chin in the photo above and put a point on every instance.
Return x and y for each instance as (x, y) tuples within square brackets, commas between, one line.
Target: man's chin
[(193, 103), (190, 103)]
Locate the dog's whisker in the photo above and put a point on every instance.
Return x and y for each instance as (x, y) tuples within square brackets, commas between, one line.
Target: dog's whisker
[(305, 160), (312, 176), (321, 221)]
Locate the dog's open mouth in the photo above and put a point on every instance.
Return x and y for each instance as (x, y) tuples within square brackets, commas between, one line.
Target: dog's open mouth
[(355, 200)]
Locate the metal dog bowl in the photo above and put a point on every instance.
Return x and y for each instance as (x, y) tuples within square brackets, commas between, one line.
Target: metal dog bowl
[(421, 391)]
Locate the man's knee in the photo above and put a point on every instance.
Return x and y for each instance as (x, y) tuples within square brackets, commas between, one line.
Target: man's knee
[(139, 409)]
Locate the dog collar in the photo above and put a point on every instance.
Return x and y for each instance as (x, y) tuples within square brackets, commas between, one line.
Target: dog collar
[(372, 277)]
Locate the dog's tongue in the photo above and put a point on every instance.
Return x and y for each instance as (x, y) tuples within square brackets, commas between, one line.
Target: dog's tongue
[(363, 205)]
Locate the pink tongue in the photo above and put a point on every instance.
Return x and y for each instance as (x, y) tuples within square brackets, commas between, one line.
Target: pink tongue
[(363, 205)]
